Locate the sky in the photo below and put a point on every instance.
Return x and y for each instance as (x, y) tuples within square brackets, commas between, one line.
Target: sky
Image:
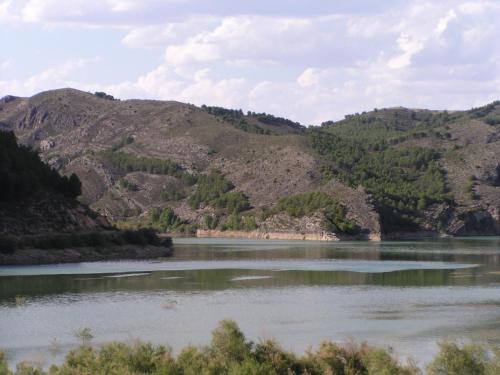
[(308, 60)]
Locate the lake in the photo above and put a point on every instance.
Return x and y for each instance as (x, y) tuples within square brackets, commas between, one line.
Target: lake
[(404, 295)]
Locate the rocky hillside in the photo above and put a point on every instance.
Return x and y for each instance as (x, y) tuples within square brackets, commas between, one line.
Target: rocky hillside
[(178, 167)]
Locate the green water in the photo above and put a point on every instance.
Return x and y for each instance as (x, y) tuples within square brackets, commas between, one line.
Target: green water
[(406, 295)]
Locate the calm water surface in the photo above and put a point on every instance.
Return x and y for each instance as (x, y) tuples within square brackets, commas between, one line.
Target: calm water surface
[(403, 295)]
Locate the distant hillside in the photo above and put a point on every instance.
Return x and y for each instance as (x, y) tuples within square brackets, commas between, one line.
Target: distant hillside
[(176, 167)]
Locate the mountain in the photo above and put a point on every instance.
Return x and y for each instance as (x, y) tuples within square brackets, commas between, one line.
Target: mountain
[(387, 173)]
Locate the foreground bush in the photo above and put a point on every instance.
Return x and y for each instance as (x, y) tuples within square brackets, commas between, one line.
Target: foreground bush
[(229, 353)]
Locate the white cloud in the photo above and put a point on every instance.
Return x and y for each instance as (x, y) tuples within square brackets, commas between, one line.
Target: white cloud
[(171, 33), (6, 63), (409, 46), (308, 78), (308, 62), (9, 12), (57, 76), (444, 21)]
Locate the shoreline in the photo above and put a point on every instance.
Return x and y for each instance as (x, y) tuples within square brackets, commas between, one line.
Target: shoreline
[(23, 257)]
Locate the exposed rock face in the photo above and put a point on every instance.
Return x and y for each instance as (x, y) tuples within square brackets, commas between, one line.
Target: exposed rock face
[(46, 145), (281, 227), (481, 222), (261, 234)]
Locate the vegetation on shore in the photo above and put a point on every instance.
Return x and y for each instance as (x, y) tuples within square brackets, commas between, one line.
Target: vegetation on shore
[(307, 204), (140, 237), (230, 353)]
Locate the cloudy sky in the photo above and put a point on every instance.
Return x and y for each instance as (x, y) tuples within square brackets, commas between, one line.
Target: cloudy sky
[(309, 60)]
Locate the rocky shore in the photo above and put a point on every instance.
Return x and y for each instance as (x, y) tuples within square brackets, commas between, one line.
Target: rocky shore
[(292, 236)]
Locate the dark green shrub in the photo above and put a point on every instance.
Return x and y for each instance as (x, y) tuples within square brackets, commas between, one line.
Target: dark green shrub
[(166, 242), (249, 223), (135, 237), (210, 221), (8, 244), (124, 142), (131, 163), (154, 215), (209, 188), (93, 239), (60, 241), (103, 95), (43, 241), (233, 201), (233, 222), (307, 204), (172, 194), (187, 228), (236, 118), (128, 185), (168, 220), (492, 120)]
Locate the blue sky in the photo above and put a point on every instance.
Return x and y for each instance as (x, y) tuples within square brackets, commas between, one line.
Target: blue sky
[(310, 60)]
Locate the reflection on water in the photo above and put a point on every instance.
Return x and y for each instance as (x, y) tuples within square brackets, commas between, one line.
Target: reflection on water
[(404, 294)]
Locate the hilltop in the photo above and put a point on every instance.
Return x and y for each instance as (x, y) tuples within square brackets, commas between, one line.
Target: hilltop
[(176, 167)]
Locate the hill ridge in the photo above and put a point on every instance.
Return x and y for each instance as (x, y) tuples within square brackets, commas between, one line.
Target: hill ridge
[(267, 159)]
